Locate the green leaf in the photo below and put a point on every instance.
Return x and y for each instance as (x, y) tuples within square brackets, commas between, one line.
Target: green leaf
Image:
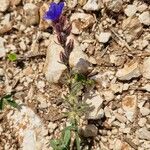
[(12, 57), (77, 141), (54, 144), (67, 136), (1, 104), (13, 103)]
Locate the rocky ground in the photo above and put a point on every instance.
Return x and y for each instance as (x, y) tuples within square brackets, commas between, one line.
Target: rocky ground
[(114, 36)]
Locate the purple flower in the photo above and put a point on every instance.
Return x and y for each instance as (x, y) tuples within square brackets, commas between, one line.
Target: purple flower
[(54, 11)]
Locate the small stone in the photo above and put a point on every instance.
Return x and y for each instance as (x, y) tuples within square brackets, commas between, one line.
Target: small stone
[(89, 131), (4, 5), (132, 28), (116, 87), (82, 2), (81, 21), (114, 5), (142, 122), (1, 72), (103, 37), (146, 87), (92, 5), (15, 2), (129, 104), (145, 18), (53, 69), (129, 71), (130, 10), (108, 95), (145, 111), (2, 48), (71, 3), (142, 7), (79, 60), (40, 84), (95, 102), (143, 134), (52, 126), (31, 14), (145, 68)]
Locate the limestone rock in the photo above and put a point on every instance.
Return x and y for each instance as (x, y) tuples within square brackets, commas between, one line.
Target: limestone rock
[(81, 21), (15, 2), (145, 68), (29, 129), (92, 5), (4, 4), (143, 133), (71, 3), (79, 60), (145, 18), (103, 37), (129, 71), (31, 14), (130, 10), (129, 104), (2, 48), (95, 102), (53, 67), (132, 28)]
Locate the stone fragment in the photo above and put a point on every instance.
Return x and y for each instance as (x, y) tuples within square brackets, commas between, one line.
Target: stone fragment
[(72, 3), (103, 37), (142, 122), (92, 5), (89, 130), (81, 21), (142, 7), (132, 28), (129, 71), (145, 68), (53, 67), (82, 2), (108, 95), (79, 60), (114, 5), (143, 134), (146, 87), (116, 87), (31, 14), (2, 48), (29, 128), (145, 18), (130, 10), (145, 111), (4, 4), (95, 102), (129, 104), (15, 2)]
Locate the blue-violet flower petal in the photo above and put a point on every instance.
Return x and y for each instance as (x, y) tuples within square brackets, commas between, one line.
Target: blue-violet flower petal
[(54, 11)]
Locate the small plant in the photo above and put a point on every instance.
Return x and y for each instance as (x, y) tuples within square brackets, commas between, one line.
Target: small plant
[(8, 100), (12, 56), (75, 81)]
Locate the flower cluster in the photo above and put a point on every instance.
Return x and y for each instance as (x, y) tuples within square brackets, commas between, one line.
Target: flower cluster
[(62, 28)]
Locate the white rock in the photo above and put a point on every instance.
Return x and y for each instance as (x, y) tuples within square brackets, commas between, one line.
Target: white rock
[(143, 133), (53, 69), (145, 18), (103, 37), (92, 5), (129, 104), (29, 129), (108, 95), (146, 87), (2, 48), (81, 21), (142, 7), (116, 87), (31, 14), (4, 4), (145, 68), (144, 111), (130, 10), (142, 122), (129, 71), (95, 101), (89, 130), (114, 5), (79, 60), (72, 3)]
